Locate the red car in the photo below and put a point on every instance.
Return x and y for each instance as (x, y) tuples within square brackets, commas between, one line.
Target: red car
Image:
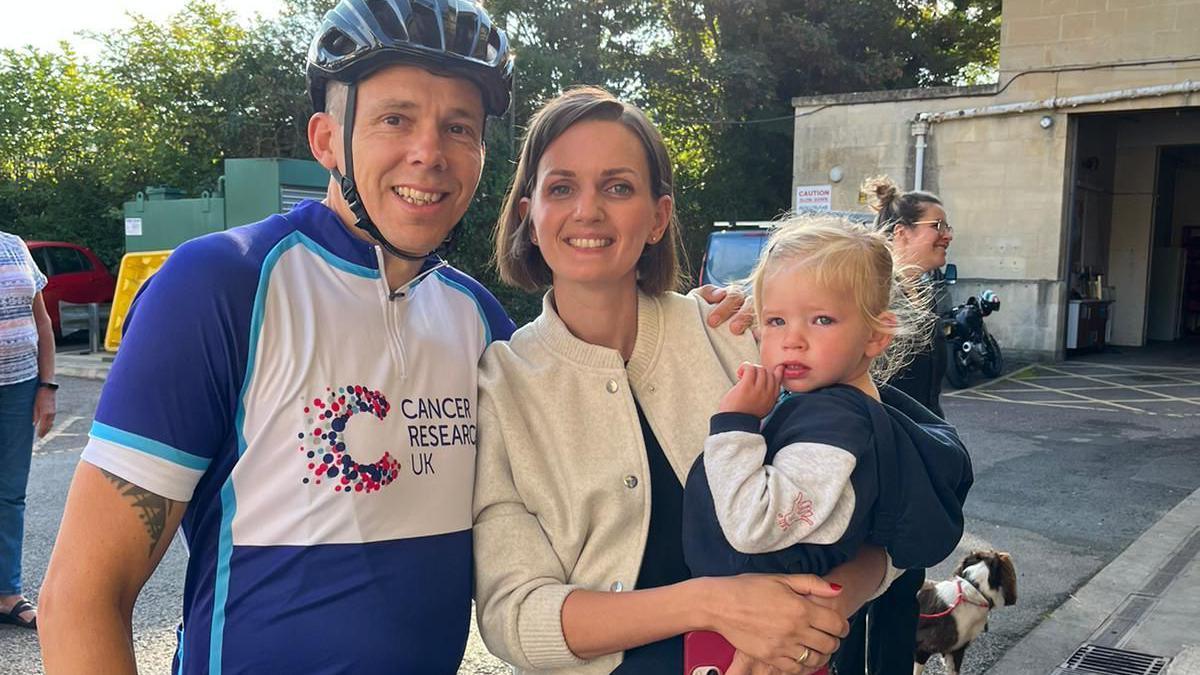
[(74, 274)]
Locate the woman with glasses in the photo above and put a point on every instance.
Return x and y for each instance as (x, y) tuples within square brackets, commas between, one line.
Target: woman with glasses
[(883, 634)]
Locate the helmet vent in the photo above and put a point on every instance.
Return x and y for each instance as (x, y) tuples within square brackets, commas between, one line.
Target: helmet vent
[(465, 29), (480, 45), (423, 28), (493, 47), (337, 43), (385, 14)]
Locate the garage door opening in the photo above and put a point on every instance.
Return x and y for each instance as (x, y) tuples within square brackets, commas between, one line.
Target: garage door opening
[(1133, 248)]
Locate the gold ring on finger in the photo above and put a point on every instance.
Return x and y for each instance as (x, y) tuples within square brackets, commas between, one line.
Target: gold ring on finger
[(803, 658)]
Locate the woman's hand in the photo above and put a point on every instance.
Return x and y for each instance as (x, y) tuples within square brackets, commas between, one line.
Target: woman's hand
[(44, 409), (767, 617), (744, 665), (756, 391)]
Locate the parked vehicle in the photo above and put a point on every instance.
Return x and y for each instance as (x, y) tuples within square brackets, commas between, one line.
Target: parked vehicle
[(733, 248), (74, 274), (731, 253), (969, 345)]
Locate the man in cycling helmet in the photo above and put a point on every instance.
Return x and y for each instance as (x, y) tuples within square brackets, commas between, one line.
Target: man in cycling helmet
[(296, 397)]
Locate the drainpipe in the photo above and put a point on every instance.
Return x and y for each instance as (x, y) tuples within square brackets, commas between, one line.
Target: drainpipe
[(920, 129)]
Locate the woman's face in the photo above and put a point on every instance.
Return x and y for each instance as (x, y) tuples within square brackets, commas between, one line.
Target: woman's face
[(592, 208), (923, 244)]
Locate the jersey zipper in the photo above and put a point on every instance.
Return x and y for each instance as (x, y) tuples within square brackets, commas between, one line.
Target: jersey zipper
[(393, 306)]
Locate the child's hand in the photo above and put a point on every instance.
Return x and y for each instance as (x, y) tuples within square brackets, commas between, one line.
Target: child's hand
[(756, 391)]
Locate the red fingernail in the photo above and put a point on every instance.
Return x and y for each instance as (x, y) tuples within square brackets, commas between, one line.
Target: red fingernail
[(836, 587)]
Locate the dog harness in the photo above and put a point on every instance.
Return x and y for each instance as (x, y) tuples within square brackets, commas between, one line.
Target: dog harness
[(959, 599)]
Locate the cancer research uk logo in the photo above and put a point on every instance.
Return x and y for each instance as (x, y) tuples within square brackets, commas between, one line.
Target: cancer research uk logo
[(330, 461)]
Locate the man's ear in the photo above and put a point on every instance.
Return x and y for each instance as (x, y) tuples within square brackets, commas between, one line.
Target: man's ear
[(879, 340), (324, 140)]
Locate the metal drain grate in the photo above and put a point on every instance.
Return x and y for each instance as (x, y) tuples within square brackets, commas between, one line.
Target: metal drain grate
[(1098, 660)]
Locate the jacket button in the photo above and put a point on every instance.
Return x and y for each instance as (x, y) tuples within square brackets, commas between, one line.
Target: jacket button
[(611, 386), (616, 587), (630, 482)]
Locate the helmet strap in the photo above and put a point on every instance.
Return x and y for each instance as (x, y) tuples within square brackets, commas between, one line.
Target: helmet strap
[(354, 200)]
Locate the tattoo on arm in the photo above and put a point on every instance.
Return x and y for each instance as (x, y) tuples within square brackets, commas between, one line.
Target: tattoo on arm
[(153, 509)]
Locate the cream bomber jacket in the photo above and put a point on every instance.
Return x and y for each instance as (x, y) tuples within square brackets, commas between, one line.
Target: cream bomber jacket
[(562, 498)]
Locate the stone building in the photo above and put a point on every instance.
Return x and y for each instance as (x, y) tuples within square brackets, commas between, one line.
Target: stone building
[(1076, 175)]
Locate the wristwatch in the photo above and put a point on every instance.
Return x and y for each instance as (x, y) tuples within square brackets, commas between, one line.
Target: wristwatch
[(52, 386)]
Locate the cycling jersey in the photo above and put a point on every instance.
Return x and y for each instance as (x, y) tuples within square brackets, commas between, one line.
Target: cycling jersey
[(322, 429)]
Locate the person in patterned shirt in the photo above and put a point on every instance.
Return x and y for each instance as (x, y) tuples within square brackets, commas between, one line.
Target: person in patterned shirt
[(27, 393)]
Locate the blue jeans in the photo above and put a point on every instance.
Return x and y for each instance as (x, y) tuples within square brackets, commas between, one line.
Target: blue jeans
[(16, 451)]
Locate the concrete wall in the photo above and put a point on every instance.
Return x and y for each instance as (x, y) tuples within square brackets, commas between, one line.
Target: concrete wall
[(1187, 207), (1028, 323), (1005, 182), (1090, 218), (1042, 33), (1001, 178)]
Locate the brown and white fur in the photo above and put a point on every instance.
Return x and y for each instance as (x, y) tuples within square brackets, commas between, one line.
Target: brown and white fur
[(987, 580)]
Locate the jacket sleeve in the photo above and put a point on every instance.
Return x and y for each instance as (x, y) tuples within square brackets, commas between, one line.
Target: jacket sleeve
[(804, 495), (520, 586)]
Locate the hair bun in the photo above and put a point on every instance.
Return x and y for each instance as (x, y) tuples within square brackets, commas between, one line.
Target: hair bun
[(882, 190)]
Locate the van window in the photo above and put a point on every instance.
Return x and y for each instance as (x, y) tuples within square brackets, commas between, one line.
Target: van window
[(731, 256)]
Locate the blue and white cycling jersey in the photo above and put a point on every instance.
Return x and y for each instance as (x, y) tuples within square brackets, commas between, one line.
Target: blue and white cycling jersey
[(322, 430)]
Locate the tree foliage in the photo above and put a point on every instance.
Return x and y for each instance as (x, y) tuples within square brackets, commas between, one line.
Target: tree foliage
[(166, 102)]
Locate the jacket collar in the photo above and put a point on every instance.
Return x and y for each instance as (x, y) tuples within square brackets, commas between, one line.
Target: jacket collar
[(558, 338)]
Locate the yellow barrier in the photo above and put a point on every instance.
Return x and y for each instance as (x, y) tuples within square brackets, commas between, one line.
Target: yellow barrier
[(135, 269)]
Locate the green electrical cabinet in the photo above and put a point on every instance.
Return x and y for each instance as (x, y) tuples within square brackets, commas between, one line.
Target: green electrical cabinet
[(160, 219)]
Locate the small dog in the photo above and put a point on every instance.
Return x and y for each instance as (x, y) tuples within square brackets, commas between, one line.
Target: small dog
[(954, 612)]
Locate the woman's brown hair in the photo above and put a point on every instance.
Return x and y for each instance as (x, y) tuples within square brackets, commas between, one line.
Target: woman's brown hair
[(893, 207), (520, 262)]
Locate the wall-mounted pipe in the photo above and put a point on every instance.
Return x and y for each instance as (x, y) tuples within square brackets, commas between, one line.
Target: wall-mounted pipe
[(921, 125), (920, 130), (1186, 87)]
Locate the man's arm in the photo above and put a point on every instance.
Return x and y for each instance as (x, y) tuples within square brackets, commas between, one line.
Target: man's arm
[(112, 537)]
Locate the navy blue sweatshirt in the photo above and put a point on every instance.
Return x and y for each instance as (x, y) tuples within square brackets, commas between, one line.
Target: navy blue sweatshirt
[(841, 470)]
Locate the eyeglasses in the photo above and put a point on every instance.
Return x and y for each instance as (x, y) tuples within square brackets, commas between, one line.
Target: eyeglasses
[(943, 228)]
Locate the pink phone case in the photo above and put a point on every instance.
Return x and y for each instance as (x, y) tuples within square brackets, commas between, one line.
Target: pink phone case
[(706, 653)]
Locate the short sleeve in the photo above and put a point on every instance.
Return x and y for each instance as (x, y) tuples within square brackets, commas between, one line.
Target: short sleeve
[(168, 405), (39, 279)]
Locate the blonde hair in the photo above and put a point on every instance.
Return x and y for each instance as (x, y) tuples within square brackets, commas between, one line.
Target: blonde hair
[(846, 255)]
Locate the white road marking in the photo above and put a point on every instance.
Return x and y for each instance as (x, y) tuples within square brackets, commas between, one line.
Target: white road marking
[(1096, 378), (56, 431)]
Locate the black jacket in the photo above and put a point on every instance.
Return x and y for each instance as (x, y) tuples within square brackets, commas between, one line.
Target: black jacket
[(910, 480), (922, 379)]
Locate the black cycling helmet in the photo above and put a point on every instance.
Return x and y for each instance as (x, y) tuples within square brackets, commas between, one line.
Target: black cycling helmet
[(453, 37), (447, 37)]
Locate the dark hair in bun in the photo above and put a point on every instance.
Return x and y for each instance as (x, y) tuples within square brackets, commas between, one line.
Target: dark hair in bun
[(893, 207)]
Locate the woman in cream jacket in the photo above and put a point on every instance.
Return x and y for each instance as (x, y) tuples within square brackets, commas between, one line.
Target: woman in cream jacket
[(591, 416)]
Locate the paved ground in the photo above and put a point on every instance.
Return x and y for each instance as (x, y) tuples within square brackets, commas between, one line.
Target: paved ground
[(1173, 391), (1073, 462), (1139, 611), (1064, 486)]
